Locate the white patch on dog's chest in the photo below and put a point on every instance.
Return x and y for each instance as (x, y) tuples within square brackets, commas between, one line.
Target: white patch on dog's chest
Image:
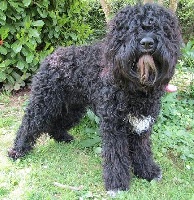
[(141, 124)]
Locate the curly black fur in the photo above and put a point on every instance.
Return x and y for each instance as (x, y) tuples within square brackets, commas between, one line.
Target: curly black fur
[(105, 78)]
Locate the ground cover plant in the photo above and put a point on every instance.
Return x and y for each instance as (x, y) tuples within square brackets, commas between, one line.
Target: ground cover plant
[(73, 171)]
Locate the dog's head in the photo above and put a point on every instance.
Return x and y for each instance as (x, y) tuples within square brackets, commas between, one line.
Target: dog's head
[(143, 45)]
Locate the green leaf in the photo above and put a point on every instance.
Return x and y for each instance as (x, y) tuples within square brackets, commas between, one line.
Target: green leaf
[(38, 23), (5, 63), (31, 44), (4, 30), (91, 130), (27, 22), (17, 6), (90, 142), (16, 46), (33, 33), (3, 50), (3, 5), (16, 76), (26, 2), (26, 76), (2, 76), (25, 51), (2, 65), (2, 16), (98, 150), (17, 86), (29, 58), (2, 22), (42, 12), (73, 36), (20, 65)]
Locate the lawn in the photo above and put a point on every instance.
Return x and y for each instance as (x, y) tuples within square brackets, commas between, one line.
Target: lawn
[(73, 171)]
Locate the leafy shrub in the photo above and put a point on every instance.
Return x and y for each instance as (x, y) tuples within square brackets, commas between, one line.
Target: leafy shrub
[(96, 19), (186, 69), (188, 54), (116, 5), (186, 17), (30, 30)]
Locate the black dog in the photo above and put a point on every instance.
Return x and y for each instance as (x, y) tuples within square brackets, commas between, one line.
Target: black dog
[(121, 78)]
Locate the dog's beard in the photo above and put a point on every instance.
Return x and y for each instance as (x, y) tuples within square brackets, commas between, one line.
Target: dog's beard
[(142, 70), (146, 70)]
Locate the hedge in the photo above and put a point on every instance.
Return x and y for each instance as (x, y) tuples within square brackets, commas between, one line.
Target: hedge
[(30, 30)]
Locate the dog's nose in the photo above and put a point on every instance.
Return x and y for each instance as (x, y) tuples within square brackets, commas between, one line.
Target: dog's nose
[(147, 43)]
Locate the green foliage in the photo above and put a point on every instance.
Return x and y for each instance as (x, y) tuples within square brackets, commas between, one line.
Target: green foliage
[(116, 5), (93, 132), (188, 54), (174, 130), (93, 118), (96, 19), (186, 17), (186, 67), (32, 29)]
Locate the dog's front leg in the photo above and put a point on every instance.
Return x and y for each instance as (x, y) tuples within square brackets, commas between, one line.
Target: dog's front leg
[(115, 156)]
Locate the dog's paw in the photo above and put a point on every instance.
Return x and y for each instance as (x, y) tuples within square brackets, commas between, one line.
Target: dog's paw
[(158, 177), (113, 193), (14, 154), (66, 138)]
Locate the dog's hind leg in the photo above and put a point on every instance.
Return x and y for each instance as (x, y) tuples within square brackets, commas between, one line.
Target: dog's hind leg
[(141, 157), (69, 118), (38, 119), (44, 106), (35, 121)]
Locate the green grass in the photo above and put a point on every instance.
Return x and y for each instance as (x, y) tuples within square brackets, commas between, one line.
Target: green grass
[(34, 177)]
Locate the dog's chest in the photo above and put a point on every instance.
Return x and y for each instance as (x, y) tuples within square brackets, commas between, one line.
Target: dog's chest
[(140, 124)]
